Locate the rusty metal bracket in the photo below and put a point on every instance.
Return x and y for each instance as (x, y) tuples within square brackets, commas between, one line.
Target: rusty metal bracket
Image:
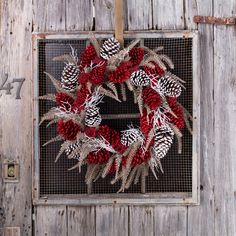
[(215, 20)]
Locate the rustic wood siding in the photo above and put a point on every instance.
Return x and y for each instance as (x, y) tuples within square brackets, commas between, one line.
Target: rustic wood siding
[(217, 213)]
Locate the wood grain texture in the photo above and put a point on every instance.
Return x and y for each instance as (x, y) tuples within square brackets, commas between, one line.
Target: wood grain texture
[(201, 218), (168, 14), (141, 222), (79, 15), (139, 15), (111, 220), (49, 15), (225, 125), (81, 221), (170, 221), (15, 123), (104, 14), (51, 221)]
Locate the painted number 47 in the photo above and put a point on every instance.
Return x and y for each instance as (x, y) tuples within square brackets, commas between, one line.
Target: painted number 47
[(7, 86)]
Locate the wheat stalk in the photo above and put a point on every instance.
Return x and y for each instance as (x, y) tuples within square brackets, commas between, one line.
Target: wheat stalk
[(112, 86), (49, 97), (64, 146), (67, 58), (57, 85), (123, 92), (52, 140), (107, 93), (107, 167), (167, 60), (95, 43)]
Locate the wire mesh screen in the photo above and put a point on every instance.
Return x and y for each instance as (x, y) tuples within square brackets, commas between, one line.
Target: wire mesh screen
[(56, 179)]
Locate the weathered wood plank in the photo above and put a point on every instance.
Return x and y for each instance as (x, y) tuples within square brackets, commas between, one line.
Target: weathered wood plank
[(79, 15), (81, 221), (49, 15), (104, 14), (225, 125), (141, 222), (15, 115), (111, 221), (201, 218), (51, 221), (170, 221), (168, 14), (139, 15)]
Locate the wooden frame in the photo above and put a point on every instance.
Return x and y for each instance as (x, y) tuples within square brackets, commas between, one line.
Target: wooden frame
[(142, 199)]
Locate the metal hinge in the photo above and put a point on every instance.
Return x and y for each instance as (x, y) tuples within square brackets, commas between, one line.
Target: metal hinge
[(215, 20)]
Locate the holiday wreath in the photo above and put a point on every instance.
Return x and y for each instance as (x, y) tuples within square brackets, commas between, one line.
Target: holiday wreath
[(102, 70)]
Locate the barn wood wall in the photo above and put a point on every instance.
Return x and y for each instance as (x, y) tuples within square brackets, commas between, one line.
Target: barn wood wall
[(217, 213)]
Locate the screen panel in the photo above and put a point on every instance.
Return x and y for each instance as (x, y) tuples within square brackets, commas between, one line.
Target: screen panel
[(56, 179)]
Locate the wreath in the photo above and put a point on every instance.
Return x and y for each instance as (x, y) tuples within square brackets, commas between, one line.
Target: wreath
[(104, 69)]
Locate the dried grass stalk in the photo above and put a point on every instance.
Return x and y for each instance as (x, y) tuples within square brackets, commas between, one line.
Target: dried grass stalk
[(49, 97), (52, 140), (64, 146), (113, 88), (123, 92), (67, 58), (107, 93)]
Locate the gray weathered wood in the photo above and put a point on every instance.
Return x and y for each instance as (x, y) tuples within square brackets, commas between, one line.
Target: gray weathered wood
[(81, 221), (51, 221), (79, 15), (49, 15), (15, 115), (201, 219), (141, 222), (104, 14), (170, 221), (225, 123), (168, 14), (111, 220), (139, 15)]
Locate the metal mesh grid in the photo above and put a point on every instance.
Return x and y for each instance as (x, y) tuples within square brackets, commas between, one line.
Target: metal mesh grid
[(54, 177)]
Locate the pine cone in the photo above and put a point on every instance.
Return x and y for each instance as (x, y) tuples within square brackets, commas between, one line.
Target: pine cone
[(169, 87), (109, 48), (121, 73), (162, 141), (99, 157), (68, 129), (140, 78), (63, 99), (87, 56), (71, 149), (69, 77), (178, 121), (157, 70), (146, 123), (136, 55), (130, 136), (98, 71), (93, 117), (151, 98)]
